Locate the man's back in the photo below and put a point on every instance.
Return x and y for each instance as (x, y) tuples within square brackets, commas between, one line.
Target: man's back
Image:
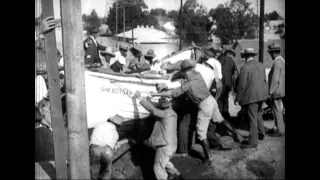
[(228, 68), (104, 134), (277, 78), (252, 83), (207, 74)]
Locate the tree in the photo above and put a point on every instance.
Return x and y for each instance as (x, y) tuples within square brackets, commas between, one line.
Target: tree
[(272, 16), (138, 15), (158, 12), (92, 20), (236, 20)]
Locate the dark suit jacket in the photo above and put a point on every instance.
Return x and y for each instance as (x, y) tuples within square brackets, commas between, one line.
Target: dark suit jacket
[(92, 51), (252, 85), (276, 79), (229, 69)]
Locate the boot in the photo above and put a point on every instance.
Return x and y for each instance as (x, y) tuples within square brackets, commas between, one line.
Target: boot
[(206, 150), (236, 136)]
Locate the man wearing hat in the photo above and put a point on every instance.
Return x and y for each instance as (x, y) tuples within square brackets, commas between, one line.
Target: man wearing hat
[(251, 92), (117, 64), (197, 91), (137, 64), (92, 48), (103, 143), (152, 60), (229, 69), (163, 137), (276, 89)]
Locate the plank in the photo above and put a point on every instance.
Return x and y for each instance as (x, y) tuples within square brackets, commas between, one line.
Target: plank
[(58, 128)]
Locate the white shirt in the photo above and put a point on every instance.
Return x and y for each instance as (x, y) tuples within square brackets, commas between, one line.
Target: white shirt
[(119, 58), (216, 66), (105, 134), (207, 74), (94, 40), (156, 66), (41, 88)]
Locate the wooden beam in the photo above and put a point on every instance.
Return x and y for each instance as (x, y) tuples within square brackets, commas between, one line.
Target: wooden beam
[(261, 31), (58, 126), (72, 39)]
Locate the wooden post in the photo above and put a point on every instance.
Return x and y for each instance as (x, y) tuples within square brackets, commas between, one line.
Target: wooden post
[(124, 19), (116, 23), (58, 125), (72, 39), (132, 24), (261, 30)]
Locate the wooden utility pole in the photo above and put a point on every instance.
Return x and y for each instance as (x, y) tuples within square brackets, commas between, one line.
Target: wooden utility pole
[(180, 19), (72, 39), (132, 24), (116, 23), (58, 125), (261, 30), (124, 19)]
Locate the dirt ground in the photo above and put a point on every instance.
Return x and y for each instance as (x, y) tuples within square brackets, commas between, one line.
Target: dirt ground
[(231, 164)]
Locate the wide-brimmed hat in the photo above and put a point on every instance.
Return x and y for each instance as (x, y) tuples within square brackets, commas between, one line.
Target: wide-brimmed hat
[(230, 51), (164, 102), (274, 47), (117, 119), (150, 53), (136, 50), (108, 51), (123, 47), (249, 51), (186, 65)]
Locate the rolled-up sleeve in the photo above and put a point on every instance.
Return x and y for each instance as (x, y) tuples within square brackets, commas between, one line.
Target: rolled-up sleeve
[(153, 110), (185, 87)]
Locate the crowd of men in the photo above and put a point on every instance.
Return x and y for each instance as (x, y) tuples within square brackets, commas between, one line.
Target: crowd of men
[(202, 99)]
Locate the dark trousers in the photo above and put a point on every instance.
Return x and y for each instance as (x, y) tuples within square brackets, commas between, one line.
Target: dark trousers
[(256, 123), (223, 101), (100, 162), (187, 127)]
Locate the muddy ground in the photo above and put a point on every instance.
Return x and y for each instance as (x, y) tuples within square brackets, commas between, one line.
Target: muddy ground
[(231, 164)]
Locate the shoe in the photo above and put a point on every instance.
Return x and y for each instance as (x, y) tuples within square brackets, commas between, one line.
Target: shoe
[(276, 134), (247, 146), (206, 150), (261, 137)]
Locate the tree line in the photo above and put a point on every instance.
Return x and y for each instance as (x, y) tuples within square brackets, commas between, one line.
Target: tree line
[(235, 20)]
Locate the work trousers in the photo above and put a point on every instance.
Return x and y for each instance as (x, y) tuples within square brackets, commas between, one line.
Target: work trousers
[(208, 109), (100, 162), (223, 101), (256, 123), (187, 127), (162, 163), (276, 105)]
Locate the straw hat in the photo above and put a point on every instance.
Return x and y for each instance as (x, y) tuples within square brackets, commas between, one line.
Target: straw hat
[(94, 30), (108, 51), (249, 51), (274, 47), (186, 65), (136, 50), (150, 53), (117, 119), (123, 47)]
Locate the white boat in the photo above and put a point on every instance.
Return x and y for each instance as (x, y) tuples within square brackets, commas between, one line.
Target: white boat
[(108, 93)]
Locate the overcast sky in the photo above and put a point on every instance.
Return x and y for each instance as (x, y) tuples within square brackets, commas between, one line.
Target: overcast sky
[(100, 5)]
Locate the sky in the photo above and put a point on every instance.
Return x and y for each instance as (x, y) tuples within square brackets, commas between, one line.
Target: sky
[(100, 5)]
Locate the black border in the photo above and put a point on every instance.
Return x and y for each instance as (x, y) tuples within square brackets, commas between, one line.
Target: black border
[(301, 87)]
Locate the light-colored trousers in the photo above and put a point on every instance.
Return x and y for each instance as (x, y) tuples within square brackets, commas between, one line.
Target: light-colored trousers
[(208, 109), (162, 163), (277, 109)]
